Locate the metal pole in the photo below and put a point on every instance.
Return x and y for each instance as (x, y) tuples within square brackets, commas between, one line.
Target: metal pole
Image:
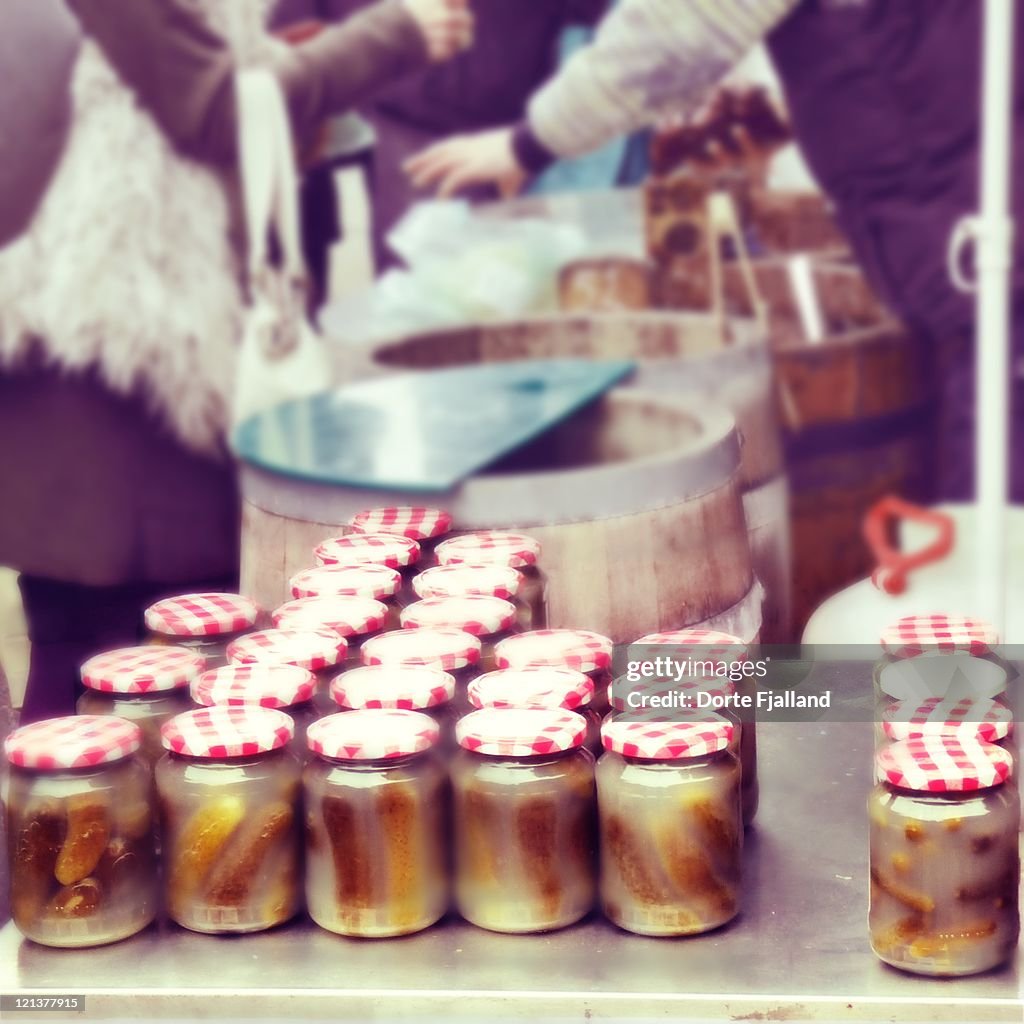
[(994, 247)]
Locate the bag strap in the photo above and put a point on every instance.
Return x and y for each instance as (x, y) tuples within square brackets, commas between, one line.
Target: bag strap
[(269, 177)]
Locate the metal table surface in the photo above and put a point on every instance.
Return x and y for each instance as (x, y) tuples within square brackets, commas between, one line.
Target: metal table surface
[(799, 950)]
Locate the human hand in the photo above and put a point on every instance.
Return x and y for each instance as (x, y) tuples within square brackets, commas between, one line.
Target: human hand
[(447, 26), (485, 158)]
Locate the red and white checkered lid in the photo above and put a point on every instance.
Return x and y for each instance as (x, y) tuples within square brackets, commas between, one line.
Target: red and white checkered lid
[(349, 616), (314, 649), (532, 688), (984, 719), (77, 741), (490, 547), (915, 634), (265, 686), (142, 669), (404, 520), (942, 764), (202, 615), (365, 580), (372, 735), (577, 649), (619, 692), (699, 644), (439, 646), (406, 687), (684, 735), (476, 614), (520, 732), (379, 548), (463, 580), (227, 731)]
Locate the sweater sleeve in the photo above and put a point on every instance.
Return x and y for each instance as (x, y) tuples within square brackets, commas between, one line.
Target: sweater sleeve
[(649, 58), (183, 72)]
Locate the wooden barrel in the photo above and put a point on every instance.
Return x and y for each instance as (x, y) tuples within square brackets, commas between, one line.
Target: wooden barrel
[(636, 500), (857, 412), (680, 354)]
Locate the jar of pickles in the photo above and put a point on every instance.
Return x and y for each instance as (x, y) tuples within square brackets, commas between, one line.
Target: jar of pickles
[(491, 619), (557, 688), (450, 650), (714, 660), (80, 827), (320, 651), (525, 844), (464, 580), (671, 825), (420, 688), (427, 526), (355, 618), (204, 623), (286, 688), (945, 864), (515, 550), (146, 685), (391, 550), (376, 802), (378, 582), (229, 793), (576, 649)]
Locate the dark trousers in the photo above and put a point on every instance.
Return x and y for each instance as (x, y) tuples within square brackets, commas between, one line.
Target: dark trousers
[(68, 623)]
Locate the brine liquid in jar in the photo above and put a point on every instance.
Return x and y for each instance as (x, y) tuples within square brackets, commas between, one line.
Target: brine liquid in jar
[(525, 843), (145, 685), (230, 798), (80, 829), (205, 623), (671, 824), (376, 799), (945, 861)]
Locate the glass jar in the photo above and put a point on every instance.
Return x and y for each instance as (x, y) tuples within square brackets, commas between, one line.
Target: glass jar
[(427, 526), (465, 580), (716, 661), (286, 688), (204, 623), (552, 688), (945, 863), (320, 651), (229, 792), (523, 791), (421, 688), (576, 649), (355, 618), (145, 685), (491, 619), (376, 802), (671, 825), (441, 647), (401, 553), (498, 547), (80, 831), (378, 582)]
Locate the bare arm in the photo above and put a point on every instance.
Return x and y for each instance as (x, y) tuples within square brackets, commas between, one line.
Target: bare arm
[(183, 72)]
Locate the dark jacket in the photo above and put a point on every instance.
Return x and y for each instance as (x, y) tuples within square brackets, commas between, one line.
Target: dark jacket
[(92, 489)]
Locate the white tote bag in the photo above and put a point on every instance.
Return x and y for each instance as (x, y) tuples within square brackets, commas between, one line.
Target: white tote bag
[(281, 357)]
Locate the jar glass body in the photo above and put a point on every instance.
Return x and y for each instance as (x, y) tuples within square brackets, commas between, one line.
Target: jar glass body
[(82, 856), (525, 840), (231, 840), (671, 842), (376, 845), (148, 711), (212, 648), (945, 871)]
